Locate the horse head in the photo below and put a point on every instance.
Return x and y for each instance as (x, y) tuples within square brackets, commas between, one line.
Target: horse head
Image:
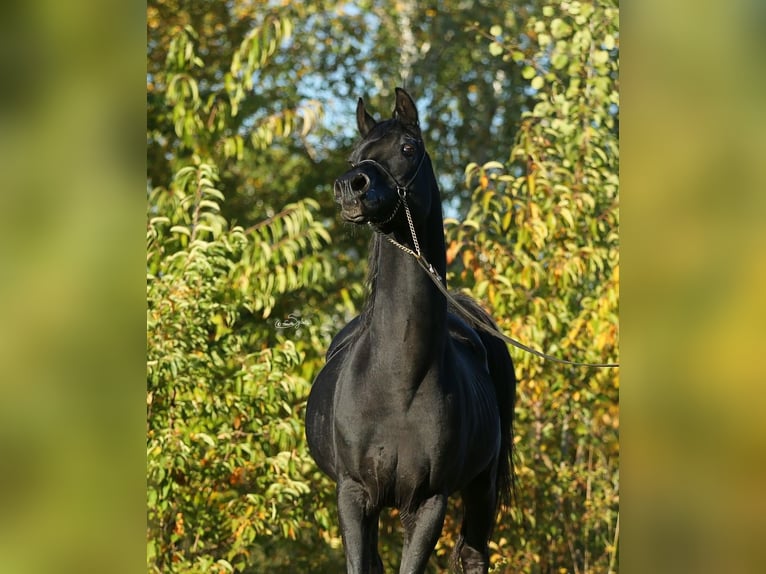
[(389, 166)]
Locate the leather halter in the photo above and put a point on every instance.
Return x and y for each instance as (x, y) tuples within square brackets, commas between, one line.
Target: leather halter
[(401, 192)]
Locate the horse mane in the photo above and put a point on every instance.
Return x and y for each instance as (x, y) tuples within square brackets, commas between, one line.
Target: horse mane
[(372, 277), (476, 314)]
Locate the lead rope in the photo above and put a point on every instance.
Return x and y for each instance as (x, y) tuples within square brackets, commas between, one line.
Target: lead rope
[(437, 280)]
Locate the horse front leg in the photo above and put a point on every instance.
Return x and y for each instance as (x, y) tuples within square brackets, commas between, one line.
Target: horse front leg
[(422, 530), (359, 529)]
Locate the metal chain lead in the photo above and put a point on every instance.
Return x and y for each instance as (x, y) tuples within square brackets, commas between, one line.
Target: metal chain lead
[(403, 195), (417, 254)]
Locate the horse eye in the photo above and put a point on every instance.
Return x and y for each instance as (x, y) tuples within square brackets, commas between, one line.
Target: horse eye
[(408, 150)]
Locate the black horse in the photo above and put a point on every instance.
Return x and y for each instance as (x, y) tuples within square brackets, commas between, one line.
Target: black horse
[(414, 402)]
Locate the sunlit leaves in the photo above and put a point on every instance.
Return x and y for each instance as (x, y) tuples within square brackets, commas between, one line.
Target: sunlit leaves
[(182, 91), (286, 123), (283, 256), (223, 437), (540, 247), (203, 115), (226, 456), (560, 29), (256, 48)]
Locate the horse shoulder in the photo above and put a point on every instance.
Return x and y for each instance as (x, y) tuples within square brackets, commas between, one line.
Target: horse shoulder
[(321, 401)]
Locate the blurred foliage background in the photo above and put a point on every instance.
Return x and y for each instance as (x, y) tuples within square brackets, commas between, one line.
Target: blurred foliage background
[(73, 412), (250, 274)]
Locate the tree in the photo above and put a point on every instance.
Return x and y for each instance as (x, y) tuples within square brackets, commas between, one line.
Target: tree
[(540, 245), (226, 461)]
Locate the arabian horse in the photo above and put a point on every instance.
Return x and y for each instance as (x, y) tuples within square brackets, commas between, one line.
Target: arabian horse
[(414, 402)]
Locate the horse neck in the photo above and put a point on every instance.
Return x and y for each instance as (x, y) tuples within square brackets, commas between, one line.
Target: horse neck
[(408, 312)]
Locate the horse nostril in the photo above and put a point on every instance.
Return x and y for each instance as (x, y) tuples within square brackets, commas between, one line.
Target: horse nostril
[(360, 183), (351, 187)]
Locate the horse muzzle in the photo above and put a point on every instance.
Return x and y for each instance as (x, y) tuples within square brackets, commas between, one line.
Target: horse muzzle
[(350, 192)]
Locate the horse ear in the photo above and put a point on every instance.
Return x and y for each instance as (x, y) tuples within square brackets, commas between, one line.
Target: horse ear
[(405, 110), (364, 121)]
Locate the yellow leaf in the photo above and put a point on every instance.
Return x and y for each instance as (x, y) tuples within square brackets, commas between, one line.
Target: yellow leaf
[(507, 221), (452, 250)]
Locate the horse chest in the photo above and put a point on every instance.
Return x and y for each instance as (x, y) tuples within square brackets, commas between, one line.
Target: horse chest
[(390, 468), (394, 454)]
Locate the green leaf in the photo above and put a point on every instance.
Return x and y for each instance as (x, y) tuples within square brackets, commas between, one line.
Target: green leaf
[(507, 221), (528, 73), (566, 215), (600, 57), (181, 229), (210, 205), (206, 438), (559, 60), (560, 29)]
